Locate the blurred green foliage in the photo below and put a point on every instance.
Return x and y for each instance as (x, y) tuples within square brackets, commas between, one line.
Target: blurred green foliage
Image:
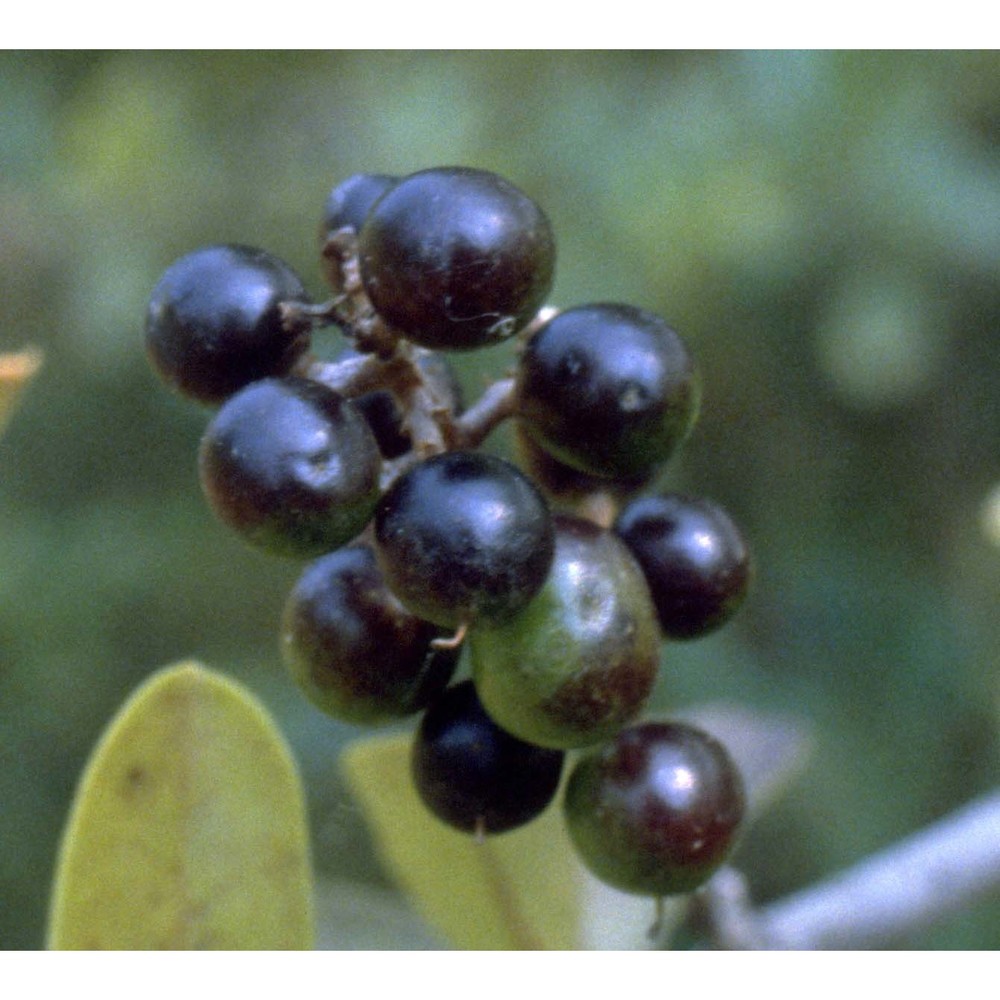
[(823, 228)]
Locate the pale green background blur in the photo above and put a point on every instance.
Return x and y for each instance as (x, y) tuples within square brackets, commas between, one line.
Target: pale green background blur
[(823, 228)]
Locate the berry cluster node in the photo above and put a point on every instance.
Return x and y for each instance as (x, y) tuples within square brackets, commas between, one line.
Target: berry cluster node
[(555, 571)]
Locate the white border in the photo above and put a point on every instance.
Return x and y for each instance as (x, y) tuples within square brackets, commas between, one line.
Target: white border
[(516, 24)]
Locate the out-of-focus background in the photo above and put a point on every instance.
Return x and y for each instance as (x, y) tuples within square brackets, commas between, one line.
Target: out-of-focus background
[(822, 227)]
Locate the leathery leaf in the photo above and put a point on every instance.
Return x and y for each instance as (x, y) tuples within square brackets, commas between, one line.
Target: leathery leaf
[(188, 829)]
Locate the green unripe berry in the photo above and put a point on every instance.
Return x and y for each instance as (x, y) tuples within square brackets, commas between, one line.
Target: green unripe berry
[(579, 661)]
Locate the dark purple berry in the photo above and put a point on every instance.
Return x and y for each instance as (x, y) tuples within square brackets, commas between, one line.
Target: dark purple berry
[(610, 390), (355, 651), (214, 322), (472, 774), (291, 466), (462, 537), (657, 810), (456, 258), (695, 559), (561, 483), (350, 201)]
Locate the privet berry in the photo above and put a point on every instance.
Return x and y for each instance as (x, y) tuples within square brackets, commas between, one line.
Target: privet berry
[(463, 537), (215, 324), (695, 559), (291, 467), (608, 389), (657, 810), (346, 207), (579, 661), (349, 203), (355, 651), (561, 483), (456, 258), (475, 776)]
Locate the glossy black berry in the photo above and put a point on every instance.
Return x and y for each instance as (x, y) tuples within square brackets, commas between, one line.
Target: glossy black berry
[(355, 651), (214, 321), (695, 559), (657, 810), (608, 389), (560, 482), (462, 537), (580, 659), (456, 258), (472, 774), (291, 466), (350, 201)]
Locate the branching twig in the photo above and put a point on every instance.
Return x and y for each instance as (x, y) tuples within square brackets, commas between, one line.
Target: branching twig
[(909, 886), (494, 406), (385, 360)]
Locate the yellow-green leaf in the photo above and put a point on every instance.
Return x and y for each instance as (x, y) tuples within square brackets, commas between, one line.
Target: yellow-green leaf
[(518, 890), (188, 829), (16, 371)]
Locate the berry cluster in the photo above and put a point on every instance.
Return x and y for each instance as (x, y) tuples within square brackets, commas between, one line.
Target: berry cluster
[(559, 578)]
